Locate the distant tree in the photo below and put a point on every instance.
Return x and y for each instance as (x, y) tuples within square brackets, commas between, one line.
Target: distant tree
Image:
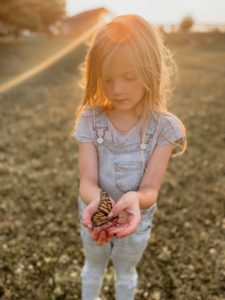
[(186, 24), (35, 15)]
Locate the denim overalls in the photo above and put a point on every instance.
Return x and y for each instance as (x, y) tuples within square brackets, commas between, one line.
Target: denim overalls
[(122, 161)]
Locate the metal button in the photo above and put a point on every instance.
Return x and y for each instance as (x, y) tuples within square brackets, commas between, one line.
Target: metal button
[(100, 140), (143, 146)]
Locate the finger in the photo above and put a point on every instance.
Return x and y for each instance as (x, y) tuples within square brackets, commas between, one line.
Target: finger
[(93, 236), (119, 206), (95, 233), (109, 238), (130, 228), (86, 218), (102, 236), (114, 230), (108, 235), (106, 226), (113, 225), (102, 239), (100, 243), (127, 228)]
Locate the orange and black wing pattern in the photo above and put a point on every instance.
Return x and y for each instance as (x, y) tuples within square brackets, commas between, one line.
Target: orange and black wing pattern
[(100, 217)]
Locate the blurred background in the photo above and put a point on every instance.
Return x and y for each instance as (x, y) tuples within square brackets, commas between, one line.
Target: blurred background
[(42, 44)]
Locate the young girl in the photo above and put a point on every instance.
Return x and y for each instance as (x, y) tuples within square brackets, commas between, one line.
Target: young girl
[(126, 137)]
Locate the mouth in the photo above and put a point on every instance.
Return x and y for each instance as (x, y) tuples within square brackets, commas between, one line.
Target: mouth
[(119, 100)]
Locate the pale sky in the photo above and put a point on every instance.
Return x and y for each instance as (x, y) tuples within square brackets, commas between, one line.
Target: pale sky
[(158, 11)]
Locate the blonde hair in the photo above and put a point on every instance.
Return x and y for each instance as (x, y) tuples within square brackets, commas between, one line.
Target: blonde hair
[(153, 61)]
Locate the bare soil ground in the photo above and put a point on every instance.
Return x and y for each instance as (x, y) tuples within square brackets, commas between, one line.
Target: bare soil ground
[(41, 253)]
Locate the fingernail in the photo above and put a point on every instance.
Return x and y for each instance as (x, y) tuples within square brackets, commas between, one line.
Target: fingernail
[(110, 214)]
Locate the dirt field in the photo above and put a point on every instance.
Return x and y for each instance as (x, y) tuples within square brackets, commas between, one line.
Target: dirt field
[(40, 248)]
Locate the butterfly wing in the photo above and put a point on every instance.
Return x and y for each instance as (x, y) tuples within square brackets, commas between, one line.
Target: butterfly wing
[(100, 217), (105, 204)]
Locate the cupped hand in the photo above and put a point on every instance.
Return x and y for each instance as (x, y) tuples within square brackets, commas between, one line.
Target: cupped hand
[(128, 207), (98, 234), (88, 212), (102, 235), (128, 212)]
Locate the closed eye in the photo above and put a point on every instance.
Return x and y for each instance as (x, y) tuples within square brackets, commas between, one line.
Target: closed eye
[(130, 78), (125, 77)]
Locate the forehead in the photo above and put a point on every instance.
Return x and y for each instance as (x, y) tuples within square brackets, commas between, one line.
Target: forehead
[(119, 62)]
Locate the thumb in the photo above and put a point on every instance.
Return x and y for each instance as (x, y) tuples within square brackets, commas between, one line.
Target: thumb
[(86, 218), (117, 208)]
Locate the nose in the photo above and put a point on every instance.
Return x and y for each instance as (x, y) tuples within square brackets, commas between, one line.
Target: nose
[(117, 87)]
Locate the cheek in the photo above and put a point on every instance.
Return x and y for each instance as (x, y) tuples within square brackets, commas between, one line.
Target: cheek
[(137, 89), (107, 89)]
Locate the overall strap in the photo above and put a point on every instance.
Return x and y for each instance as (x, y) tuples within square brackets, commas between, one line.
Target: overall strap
[(148, 136), (100, 125), (150, 130)]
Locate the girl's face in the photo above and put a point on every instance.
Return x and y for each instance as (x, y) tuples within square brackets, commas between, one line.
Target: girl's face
[(120, 81)]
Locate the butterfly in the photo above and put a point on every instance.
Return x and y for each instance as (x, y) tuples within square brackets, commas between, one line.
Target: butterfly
[(100, 217)]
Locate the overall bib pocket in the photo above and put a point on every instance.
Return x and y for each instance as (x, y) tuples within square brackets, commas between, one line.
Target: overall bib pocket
[(128, 175)]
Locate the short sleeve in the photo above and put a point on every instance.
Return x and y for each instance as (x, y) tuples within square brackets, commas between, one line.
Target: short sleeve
[(171, 131), (84, 129)]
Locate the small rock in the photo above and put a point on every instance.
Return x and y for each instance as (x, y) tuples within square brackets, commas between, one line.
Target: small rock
[(47, 259), (187, 225), (58, 291), (39, 263), (191, 267), (30, 267), (5, 247), (212, 251), (207, 222), (155, 295), (165, 254), (73, 274), (64, 258)]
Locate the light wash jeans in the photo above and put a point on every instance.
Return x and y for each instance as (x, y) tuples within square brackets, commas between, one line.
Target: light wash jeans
[(122, 158), (125, 254)]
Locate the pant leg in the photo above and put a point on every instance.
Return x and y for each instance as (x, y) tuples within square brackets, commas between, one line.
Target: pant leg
[(127, 252), (96, 259)]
